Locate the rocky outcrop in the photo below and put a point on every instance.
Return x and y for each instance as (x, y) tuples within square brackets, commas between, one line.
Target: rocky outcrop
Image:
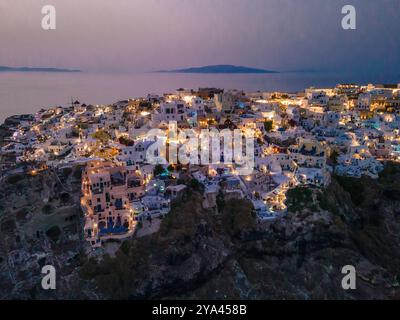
[(40, 224)]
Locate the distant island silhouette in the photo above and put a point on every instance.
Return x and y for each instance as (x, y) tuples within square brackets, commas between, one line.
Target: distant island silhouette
[(222, 68), (34, 69)]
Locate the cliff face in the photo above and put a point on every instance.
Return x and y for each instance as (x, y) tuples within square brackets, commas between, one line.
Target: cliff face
[(40, 224), (200, 254)]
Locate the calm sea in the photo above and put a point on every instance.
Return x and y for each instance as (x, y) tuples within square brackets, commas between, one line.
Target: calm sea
[(28, 92)]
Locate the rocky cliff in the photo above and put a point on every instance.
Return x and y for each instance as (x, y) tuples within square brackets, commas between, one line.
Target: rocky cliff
[(203, 254)]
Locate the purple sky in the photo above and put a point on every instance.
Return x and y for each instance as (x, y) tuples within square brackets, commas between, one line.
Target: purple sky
[(145, 35)]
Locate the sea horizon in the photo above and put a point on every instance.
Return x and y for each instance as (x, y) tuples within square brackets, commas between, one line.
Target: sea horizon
[(28, 92)]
